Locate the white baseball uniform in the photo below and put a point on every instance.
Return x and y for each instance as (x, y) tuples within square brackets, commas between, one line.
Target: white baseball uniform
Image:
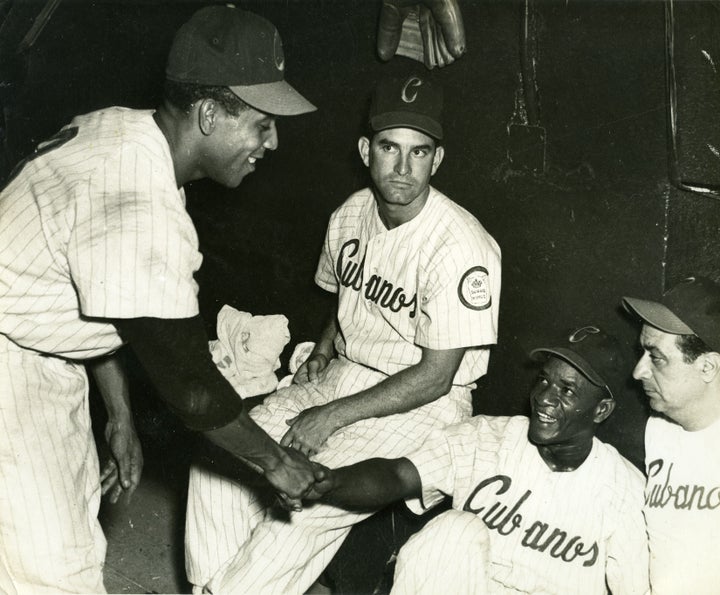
[(547, 531), (92, 227), (682, 507), (432, 282)]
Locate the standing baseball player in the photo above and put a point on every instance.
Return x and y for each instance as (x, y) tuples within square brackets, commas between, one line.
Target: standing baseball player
[(96, 248), (680, 372), (418, 284), (538, 505)]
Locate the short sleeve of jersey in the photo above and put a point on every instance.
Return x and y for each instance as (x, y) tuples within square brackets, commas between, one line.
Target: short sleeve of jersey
[(325, 273), (134, 250), (460, 299), (450, 456)]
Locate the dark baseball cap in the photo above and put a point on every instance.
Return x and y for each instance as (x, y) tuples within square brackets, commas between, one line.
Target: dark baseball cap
[(600, 357), (692, 307), (228, 47), (413, 101)]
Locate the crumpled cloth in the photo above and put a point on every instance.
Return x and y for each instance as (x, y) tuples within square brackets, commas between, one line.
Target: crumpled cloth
[(247, 350)]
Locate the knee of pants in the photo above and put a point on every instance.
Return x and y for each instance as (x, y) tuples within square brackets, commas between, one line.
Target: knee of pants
[(449, 555), (451, 536)]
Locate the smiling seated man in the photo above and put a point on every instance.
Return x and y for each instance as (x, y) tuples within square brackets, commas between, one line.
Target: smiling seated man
[(539, 505)]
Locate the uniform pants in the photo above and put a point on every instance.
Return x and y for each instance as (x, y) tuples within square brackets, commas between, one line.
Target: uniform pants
[(235, 543), (50, 537), (449, 555)]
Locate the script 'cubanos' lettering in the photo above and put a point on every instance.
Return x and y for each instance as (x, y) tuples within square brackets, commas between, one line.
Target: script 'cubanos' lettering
[(380, 291), (663, 492), (537, 535)]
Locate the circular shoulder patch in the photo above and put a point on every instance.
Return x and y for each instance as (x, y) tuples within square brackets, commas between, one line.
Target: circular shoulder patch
[(474, 289)]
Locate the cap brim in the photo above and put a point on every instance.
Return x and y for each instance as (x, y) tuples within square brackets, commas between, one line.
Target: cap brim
[(407, 120), (278, 98), (575, 360), (657, 315)]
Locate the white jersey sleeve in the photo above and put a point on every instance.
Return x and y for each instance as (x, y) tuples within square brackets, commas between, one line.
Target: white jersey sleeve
[(460, 296)]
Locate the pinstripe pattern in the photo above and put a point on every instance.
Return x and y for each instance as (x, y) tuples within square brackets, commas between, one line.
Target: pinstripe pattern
[(397, 292), (48, 460), (286, 557), (490, 468), (426, 257), (96, 226), (93, 226), (449, 555)]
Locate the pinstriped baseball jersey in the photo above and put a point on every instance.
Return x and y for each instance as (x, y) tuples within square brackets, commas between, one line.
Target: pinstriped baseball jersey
[(550, 532), (94, 226), (431, 282)]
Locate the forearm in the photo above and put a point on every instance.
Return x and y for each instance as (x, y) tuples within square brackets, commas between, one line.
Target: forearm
[(176, 356), (372, 484), (410, 388), (112, 384), (247, 441)]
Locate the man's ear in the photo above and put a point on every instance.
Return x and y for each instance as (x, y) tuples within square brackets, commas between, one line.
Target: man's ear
[(364, 149), (603, 409), (437, 160), (207, 116), (709, 364)]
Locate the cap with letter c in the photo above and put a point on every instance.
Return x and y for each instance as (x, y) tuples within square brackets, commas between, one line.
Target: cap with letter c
[(413, 101), (599, 356), (229, 47)]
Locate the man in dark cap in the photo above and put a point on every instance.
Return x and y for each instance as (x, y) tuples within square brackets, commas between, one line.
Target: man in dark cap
[(97, 249), (680, 372), (539, 505), (418, 285)]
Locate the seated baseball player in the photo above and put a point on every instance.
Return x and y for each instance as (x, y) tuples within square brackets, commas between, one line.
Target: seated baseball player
[(417, 280), (679, 368), (539, 505)]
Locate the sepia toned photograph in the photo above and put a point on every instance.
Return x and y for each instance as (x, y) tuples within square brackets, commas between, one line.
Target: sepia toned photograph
[(360, 297)]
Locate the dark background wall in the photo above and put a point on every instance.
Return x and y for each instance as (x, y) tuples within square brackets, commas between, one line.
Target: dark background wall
[(601, 221)]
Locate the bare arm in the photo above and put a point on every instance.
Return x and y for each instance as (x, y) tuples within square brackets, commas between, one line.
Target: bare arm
[(370, 484), (175, 354), (410, 388), (121, 472)]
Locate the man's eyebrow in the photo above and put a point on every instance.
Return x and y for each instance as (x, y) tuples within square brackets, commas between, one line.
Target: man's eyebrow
[(651, 347), (385, 141)]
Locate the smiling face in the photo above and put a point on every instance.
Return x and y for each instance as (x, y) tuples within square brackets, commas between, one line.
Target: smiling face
[(233, 144), (401, 163), (565, 406)]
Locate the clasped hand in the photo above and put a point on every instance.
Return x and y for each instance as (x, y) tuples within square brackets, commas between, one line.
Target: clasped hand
[(296, 479)]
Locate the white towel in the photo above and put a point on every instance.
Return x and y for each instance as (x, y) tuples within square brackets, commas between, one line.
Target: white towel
[(247, 350)]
